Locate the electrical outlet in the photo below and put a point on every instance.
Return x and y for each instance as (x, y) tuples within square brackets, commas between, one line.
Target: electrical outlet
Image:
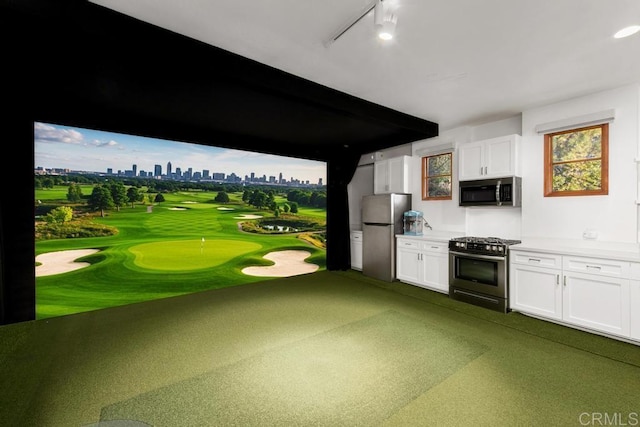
[(590, 234)]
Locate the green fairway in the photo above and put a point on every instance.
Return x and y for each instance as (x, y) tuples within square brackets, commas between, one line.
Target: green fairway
[(177, 255), (188, 243)]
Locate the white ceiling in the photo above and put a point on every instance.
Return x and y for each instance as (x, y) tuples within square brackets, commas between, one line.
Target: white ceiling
[(453, 62)]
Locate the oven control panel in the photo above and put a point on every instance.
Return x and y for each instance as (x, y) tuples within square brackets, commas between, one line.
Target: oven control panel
[(478, 247)]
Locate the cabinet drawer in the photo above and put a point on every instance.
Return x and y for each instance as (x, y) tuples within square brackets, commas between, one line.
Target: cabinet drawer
[(536, 259), (602, 267), (408, 244), (635, 271), (440, 247)]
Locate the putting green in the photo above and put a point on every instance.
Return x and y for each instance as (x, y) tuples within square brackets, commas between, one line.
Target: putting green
[(180, 255)]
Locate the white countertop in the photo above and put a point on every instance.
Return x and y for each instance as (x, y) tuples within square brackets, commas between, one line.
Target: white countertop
[(588, 248), (433, 235)]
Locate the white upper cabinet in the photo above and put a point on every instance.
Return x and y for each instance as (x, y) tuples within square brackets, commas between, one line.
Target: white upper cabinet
[(392, 175), (489, 158)]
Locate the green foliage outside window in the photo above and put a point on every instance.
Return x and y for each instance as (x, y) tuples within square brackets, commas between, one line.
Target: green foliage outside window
[(576, 162), (436, 177)]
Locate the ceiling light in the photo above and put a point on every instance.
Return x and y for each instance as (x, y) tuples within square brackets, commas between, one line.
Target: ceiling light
[(388, 27), (626, 32), (384, 21)]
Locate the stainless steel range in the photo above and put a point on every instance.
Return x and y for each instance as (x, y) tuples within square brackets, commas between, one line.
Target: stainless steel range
[(479, 271)]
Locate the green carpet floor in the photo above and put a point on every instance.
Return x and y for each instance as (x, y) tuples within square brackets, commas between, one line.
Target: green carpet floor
[(324, 349)]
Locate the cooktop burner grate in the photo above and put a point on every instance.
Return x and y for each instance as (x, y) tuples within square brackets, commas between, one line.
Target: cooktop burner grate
[(486, 240)]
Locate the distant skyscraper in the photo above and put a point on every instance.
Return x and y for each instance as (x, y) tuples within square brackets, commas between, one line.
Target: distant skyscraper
[(320, 181), (280, 178), (135, 170), (157, 170), (169, 169)]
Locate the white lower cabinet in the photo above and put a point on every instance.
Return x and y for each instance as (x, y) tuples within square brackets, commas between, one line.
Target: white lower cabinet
[(584, 292), (596, 302), (356, 250), (536, 290), (423, 263), (634, 294)]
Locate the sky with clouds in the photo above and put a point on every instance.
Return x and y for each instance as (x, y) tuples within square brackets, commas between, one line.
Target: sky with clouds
[(65, 147)]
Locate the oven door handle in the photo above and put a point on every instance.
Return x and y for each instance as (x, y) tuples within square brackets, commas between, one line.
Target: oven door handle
[(470, 255)]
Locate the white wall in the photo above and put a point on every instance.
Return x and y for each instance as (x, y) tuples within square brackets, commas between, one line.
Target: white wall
[(613, 216), (361, 185), (446, 215)]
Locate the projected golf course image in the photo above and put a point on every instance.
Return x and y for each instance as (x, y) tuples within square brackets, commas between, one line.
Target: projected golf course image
[(184, 244)]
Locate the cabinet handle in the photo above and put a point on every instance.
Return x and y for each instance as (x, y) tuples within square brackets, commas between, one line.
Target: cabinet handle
[(557, 279), (564, 280), (485, 170), (534, 260), (595, 267), (481, 170), (435, 247)]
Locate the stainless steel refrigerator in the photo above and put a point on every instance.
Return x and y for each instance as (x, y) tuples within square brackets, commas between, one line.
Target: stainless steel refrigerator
[(382, 216)]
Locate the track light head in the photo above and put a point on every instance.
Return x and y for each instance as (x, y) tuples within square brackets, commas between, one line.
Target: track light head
[(384, 21)]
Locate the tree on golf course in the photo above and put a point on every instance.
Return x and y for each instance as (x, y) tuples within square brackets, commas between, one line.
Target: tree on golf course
[(61, 214), (134, 195), (159, 198), (100, 199), (258, 199), (222, 197), (74, 193), (294, 207), (118, 194)]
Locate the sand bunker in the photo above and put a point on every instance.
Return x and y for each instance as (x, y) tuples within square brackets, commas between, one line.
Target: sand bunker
[(177, 209), (226, 209), (61, 261), (247, 216), (287, 263)]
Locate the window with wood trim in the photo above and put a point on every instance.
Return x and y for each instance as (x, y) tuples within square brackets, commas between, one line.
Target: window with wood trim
[(576, 162), (436, 177)]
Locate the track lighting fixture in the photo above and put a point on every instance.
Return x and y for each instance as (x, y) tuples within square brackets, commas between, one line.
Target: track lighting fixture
[(384, 21)]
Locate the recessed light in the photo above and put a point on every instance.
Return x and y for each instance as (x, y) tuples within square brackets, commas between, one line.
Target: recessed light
[(627, 31)]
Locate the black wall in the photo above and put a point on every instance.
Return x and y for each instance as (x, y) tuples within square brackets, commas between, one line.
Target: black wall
[(78, 64)]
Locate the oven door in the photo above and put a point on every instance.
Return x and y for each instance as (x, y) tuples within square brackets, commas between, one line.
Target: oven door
[(484, 274)]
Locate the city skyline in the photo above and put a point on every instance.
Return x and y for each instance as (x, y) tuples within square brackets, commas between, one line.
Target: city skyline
[(82, 149)]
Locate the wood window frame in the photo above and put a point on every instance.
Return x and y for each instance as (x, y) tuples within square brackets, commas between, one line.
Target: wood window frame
[(604, 164), (425, 177)]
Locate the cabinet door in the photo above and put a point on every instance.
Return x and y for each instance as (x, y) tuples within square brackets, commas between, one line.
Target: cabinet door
[(535, 290), (470, 161), (408, 265), (597, 302), (634, 331), (435, 271), (356, 251), (381, 177), (500, 157), (398, 171)]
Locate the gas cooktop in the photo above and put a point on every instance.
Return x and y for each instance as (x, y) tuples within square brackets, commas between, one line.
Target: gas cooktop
[(486, 240), (481, 245)]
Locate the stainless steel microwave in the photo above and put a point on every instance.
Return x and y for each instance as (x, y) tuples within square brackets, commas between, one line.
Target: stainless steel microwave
[(492, 192)]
